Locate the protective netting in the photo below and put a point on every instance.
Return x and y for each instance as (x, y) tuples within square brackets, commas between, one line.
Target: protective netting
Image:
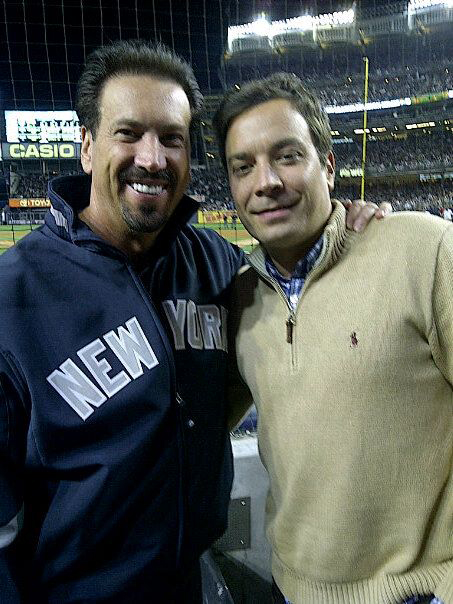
[(44, 44)]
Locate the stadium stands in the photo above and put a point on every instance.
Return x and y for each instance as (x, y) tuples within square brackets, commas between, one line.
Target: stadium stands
[(385, 84), (211, 185), (415, 196), (399, 155)]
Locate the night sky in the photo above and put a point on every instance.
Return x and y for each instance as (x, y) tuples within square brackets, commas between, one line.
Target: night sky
[(44, 43)]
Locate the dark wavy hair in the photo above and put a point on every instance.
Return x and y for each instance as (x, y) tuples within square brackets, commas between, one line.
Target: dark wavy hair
[(277, 86), (134, 57)]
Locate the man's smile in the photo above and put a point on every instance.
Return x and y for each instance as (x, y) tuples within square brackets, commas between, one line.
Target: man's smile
[(148, 189)]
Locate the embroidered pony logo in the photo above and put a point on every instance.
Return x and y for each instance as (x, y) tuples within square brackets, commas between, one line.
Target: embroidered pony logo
[(354, 340)]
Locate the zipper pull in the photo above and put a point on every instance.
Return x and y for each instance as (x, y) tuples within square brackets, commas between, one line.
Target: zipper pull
[(289, 329)]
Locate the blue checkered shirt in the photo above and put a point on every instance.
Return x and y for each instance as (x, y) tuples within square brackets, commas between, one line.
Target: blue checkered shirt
[(293, 287)]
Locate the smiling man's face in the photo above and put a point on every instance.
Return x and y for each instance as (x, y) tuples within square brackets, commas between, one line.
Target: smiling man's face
[(139, 157), (280, 187)]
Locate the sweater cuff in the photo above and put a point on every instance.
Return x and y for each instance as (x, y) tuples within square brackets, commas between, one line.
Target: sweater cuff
[(444, 591)]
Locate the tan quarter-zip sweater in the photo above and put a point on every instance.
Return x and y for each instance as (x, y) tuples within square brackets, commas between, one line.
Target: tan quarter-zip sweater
[(356, 412)]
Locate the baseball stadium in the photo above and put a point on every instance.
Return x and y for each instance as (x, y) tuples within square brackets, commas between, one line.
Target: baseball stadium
[(383, 72)]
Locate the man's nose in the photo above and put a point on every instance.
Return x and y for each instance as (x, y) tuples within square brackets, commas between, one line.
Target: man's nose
[(267, 180), (150, 153)]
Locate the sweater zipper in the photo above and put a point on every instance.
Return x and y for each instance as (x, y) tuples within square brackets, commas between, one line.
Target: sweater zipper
[(290, 323), (291, 320)]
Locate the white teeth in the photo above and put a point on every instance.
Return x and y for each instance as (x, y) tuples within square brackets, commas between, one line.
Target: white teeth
[(153, 190)]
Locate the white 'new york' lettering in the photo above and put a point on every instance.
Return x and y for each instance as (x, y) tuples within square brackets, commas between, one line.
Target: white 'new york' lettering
[(201, 327), (132, 349), (76, 389), (176, 318)]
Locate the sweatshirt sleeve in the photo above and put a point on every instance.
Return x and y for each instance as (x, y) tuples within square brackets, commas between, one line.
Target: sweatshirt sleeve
[(442, 297), (13, 435)]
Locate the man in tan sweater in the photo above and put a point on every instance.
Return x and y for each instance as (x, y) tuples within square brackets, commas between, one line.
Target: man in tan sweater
[(345, 341)]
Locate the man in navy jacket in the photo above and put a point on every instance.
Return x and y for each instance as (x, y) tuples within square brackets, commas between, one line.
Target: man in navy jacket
[(116, 465)]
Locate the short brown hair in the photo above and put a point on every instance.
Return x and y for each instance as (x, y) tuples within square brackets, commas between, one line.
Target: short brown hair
[(135, 57), (277, 86)]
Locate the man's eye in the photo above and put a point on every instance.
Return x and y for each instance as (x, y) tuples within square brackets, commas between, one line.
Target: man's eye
[(289, 157), (126, 133), (173, 140), (241, 169)]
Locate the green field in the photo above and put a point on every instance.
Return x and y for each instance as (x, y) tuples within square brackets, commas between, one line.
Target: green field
[(235, 234), (10, 234)]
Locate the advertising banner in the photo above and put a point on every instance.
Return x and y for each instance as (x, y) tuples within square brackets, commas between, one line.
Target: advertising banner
[(41, 150), (35, 202), (218, 216)]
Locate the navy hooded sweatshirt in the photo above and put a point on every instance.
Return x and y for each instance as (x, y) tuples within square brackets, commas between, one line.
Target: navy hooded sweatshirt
[(115, 461)]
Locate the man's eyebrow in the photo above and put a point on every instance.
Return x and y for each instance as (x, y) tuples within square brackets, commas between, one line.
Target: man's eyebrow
[(126, 122), (286, 142), (239, 156), (174, 126), (131, 123)]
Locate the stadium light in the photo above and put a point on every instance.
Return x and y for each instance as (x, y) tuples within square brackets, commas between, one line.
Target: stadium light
[(415, 5), (345, 17), (301, 24), (356, 107), (262, 27)]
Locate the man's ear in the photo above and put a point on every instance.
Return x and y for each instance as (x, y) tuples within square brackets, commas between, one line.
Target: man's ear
[(330, 170), (85, 150)]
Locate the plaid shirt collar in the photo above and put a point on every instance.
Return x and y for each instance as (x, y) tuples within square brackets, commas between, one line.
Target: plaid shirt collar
[(292, 287)]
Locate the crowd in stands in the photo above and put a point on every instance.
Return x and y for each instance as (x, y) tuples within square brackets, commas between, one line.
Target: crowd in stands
[(337, 76), (384, 84), (30, 184), (400, 155), (210, 186), (424, 197)]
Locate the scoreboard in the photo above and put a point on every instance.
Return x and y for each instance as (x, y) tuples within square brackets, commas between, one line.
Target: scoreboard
[(41, 135)]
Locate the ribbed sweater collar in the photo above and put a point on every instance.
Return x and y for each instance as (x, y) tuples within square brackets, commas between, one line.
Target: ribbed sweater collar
[(337, 239)]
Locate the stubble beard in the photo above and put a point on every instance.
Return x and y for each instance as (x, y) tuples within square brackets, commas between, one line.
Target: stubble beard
[(143, 220), (147, 218)]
